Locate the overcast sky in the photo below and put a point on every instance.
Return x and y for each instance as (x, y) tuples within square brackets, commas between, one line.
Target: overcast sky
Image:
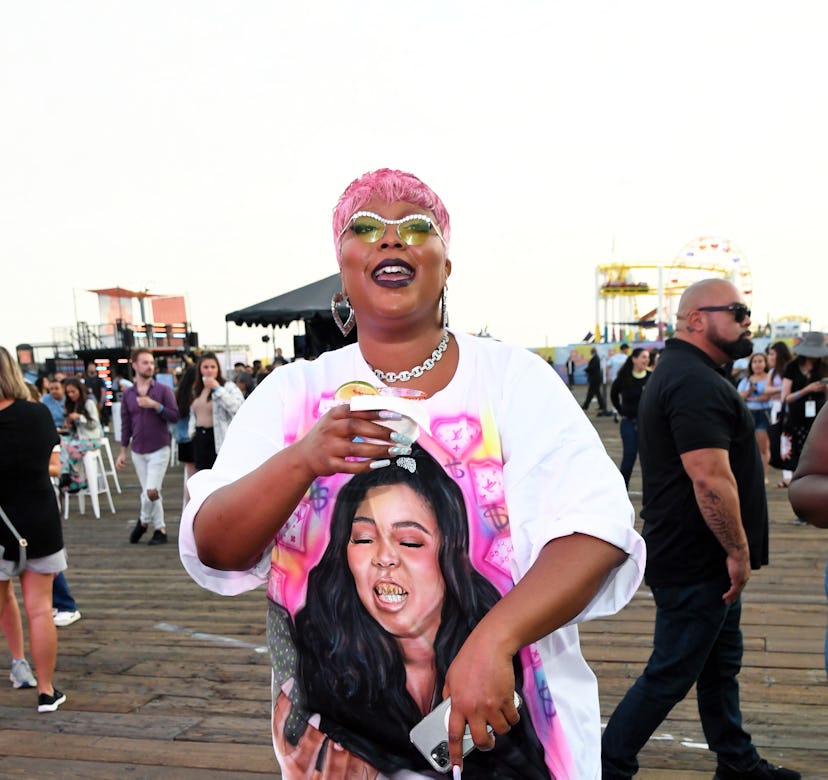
[(197, 148)]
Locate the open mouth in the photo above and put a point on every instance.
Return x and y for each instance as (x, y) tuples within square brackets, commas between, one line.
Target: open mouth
[(390, 593), (393, 273)]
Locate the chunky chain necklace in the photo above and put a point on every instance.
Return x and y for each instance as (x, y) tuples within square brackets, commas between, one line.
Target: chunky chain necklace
[(417, 371)]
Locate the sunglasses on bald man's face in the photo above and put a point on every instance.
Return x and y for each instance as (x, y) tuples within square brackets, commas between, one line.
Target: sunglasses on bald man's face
[(370, 228), (740, 311)]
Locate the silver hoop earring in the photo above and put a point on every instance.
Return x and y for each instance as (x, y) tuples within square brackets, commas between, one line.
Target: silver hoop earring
[(443, 309), (340, 299)]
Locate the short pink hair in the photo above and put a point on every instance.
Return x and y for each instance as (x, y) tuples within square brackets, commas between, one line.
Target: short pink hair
[(390, 187)]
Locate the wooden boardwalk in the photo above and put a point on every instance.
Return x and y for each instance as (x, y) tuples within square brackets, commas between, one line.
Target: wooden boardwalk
[(165, 680)]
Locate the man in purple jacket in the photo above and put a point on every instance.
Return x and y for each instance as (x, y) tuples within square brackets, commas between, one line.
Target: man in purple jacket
[(147, 409)]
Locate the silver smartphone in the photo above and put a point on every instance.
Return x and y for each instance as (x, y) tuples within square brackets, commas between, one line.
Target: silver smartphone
[(430, 736)]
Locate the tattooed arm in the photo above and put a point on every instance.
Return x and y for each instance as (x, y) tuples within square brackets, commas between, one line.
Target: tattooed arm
[(718, 500)]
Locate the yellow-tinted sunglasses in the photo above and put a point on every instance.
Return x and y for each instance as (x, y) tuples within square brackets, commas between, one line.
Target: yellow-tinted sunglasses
[(370, 228)]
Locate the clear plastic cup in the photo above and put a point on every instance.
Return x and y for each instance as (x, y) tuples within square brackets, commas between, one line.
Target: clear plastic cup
[(413, 414)]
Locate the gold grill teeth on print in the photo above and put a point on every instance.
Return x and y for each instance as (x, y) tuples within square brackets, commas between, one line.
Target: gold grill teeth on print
[(389, 589)]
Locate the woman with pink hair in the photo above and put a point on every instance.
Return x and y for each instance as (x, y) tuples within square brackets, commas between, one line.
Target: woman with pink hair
[(546, 515)]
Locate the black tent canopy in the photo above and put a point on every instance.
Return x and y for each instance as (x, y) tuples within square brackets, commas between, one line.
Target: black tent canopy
[(312, 300), (312, 305)]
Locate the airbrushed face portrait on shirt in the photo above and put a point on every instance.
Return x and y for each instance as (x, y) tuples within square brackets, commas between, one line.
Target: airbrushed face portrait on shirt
[(393, 558), (397, 572), (398, 552)]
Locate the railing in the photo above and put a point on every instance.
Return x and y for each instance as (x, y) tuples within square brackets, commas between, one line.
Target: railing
[(123, 335)]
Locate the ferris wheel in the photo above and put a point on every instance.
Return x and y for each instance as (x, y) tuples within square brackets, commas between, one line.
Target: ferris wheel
[(709, 256), (645, 295)]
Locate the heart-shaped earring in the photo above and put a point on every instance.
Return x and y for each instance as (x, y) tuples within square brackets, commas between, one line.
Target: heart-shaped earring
[(340, 299)]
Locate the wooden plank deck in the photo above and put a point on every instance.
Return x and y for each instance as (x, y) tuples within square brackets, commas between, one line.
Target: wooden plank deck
[(165, 680)]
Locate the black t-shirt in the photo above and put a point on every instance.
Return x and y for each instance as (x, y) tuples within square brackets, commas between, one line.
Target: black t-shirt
[(796, 409), (27, 438), (626, 394), (688, 404)]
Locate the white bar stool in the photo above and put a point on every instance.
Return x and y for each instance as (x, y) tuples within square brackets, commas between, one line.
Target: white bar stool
[(111, 471), (96, 483)]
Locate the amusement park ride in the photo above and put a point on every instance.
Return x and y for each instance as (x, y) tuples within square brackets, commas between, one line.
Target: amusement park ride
[(635, 299)]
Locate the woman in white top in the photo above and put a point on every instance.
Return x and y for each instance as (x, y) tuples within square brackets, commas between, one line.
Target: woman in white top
[(215, 403), (84, 433)]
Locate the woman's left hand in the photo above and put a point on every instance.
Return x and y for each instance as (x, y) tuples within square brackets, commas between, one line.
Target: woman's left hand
[(558, 586), (481, 683)]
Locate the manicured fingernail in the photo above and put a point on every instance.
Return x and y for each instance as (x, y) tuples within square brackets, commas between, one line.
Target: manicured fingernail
[(396, 450), (379, 464), (455, 773), (387, 414), (401, 438)]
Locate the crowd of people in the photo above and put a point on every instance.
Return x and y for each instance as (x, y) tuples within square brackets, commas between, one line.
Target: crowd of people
[(369, 627), (783, 390), (472, 592), (453, 559), (702, 537), (42, 448)]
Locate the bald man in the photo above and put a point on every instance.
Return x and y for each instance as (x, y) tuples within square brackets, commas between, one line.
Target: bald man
[(706, 527)]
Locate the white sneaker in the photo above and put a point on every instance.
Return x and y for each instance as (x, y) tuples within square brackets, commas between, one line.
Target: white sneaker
[(21, 674), (63, 619)]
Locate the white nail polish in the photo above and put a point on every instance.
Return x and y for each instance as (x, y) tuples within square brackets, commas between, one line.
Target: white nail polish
[(379, 464), (455, 773)]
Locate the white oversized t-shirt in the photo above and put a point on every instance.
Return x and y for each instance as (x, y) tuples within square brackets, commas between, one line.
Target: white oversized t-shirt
[(531, 468)]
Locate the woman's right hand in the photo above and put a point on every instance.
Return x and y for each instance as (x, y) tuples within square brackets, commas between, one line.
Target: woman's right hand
[(330, 447)]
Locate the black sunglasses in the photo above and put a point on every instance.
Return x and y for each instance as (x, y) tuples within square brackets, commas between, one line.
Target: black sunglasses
[(740, 311)]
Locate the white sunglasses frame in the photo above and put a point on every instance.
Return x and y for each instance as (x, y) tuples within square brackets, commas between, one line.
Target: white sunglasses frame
[(387, 222)]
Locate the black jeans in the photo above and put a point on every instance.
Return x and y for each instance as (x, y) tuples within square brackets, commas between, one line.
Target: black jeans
[(594, 391), (697, 639), (629, 440)]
